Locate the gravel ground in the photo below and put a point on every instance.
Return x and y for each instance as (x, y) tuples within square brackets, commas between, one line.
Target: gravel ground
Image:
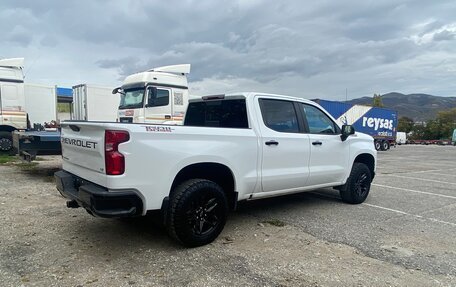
[(403, 235)]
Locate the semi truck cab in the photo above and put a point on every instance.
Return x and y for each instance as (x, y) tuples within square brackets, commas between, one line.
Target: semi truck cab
[(159, 95)]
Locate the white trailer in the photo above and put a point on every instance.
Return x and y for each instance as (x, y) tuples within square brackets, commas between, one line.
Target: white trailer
[(40, 103), (401, 138), (94, 103)]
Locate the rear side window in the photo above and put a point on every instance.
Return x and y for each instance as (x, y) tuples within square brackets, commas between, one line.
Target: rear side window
[(220, 113), (279, 115)]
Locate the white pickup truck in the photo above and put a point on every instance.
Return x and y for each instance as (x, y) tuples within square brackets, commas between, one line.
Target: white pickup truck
[(231, 148)]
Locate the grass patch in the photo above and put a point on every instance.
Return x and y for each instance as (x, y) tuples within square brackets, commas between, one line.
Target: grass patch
[(40, 159), (63, 107), (275, 222), (4, 158)]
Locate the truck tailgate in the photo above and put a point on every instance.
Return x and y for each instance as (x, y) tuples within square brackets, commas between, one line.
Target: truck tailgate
[(83, 150)]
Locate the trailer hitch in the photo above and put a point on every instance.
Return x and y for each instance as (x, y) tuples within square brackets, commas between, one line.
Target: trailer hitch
[(72, 204)]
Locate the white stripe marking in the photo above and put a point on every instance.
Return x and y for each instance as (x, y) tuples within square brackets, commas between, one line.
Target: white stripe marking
[(392, 210), (423, 179), (420, 171), (389, 209), (414, 215), (417, 191), (431, 170)]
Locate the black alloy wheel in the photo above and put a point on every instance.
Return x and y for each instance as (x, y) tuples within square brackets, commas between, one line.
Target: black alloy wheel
[(204, 215)]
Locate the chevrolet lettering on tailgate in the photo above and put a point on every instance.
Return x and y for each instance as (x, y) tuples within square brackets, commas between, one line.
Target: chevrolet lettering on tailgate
[(80, 143)]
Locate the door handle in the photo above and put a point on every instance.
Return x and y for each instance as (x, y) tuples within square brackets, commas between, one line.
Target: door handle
[(272, 142), (317, 143)]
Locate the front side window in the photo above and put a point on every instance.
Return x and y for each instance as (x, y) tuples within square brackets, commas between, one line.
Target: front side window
[(132, 99), (157, 97), (319, 122), (279, 115)]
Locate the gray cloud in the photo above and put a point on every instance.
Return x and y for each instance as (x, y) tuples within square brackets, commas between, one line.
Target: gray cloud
[(289, 47), (445, 35)]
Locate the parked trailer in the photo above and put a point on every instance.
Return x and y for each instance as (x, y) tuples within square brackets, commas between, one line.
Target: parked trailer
[(94, 103), (30, 143), (380, 123), (428, 142), (401, 138), (40, 103)]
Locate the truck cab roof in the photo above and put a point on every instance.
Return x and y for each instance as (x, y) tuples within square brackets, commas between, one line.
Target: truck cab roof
[(247, 95), (167, 76)]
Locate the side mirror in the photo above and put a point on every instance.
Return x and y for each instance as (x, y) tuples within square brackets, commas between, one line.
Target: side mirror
[(118, 90), (347, 130)]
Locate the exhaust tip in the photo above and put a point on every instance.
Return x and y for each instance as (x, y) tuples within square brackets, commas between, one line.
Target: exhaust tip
[(72, 204)]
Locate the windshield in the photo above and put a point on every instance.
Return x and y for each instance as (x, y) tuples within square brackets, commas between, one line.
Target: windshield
[(132, 99)]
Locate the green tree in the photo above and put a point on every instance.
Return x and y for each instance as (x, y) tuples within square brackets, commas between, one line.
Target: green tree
[(439, 128), (377, 101), (446, 122), (405, 124)]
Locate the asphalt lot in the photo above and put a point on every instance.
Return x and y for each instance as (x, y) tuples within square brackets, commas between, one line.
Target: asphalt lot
[(409, 217), (403, 235)]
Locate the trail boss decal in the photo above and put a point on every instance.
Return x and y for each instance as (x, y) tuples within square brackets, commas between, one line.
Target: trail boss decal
[(80, 143), (159, 129)]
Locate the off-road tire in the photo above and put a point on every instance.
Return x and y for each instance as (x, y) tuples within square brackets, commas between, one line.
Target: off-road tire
[(358, 184), (189, 203)]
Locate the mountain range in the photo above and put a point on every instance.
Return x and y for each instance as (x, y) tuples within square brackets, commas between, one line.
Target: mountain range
[(419, 107)]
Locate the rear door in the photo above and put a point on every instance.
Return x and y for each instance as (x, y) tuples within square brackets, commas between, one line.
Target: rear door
[(285, 146), (329, 154)]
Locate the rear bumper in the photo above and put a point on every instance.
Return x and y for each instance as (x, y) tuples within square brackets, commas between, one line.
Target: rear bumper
[(98, 200)]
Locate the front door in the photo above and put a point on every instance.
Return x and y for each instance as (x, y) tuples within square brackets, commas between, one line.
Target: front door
[(158, 105), (329, 154)]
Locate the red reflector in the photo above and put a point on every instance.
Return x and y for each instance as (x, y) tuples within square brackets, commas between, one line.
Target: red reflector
[(114, 160)]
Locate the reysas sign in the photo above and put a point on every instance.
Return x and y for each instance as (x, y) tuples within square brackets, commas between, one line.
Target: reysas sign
[(378, 123)]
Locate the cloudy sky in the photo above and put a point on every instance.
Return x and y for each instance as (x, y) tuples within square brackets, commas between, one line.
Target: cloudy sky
[(292, 47)]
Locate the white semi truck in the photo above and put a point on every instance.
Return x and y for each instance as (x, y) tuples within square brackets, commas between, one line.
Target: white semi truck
[(12, 101), (159, 95)]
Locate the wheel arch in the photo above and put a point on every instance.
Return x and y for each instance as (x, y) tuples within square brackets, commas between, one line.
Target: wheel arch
[(369, 160), (213, 171), (5, 128)]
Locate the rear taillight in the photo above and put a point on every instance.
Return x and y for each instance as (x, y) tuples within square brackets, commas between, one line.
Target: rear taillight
[(114, 160)]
